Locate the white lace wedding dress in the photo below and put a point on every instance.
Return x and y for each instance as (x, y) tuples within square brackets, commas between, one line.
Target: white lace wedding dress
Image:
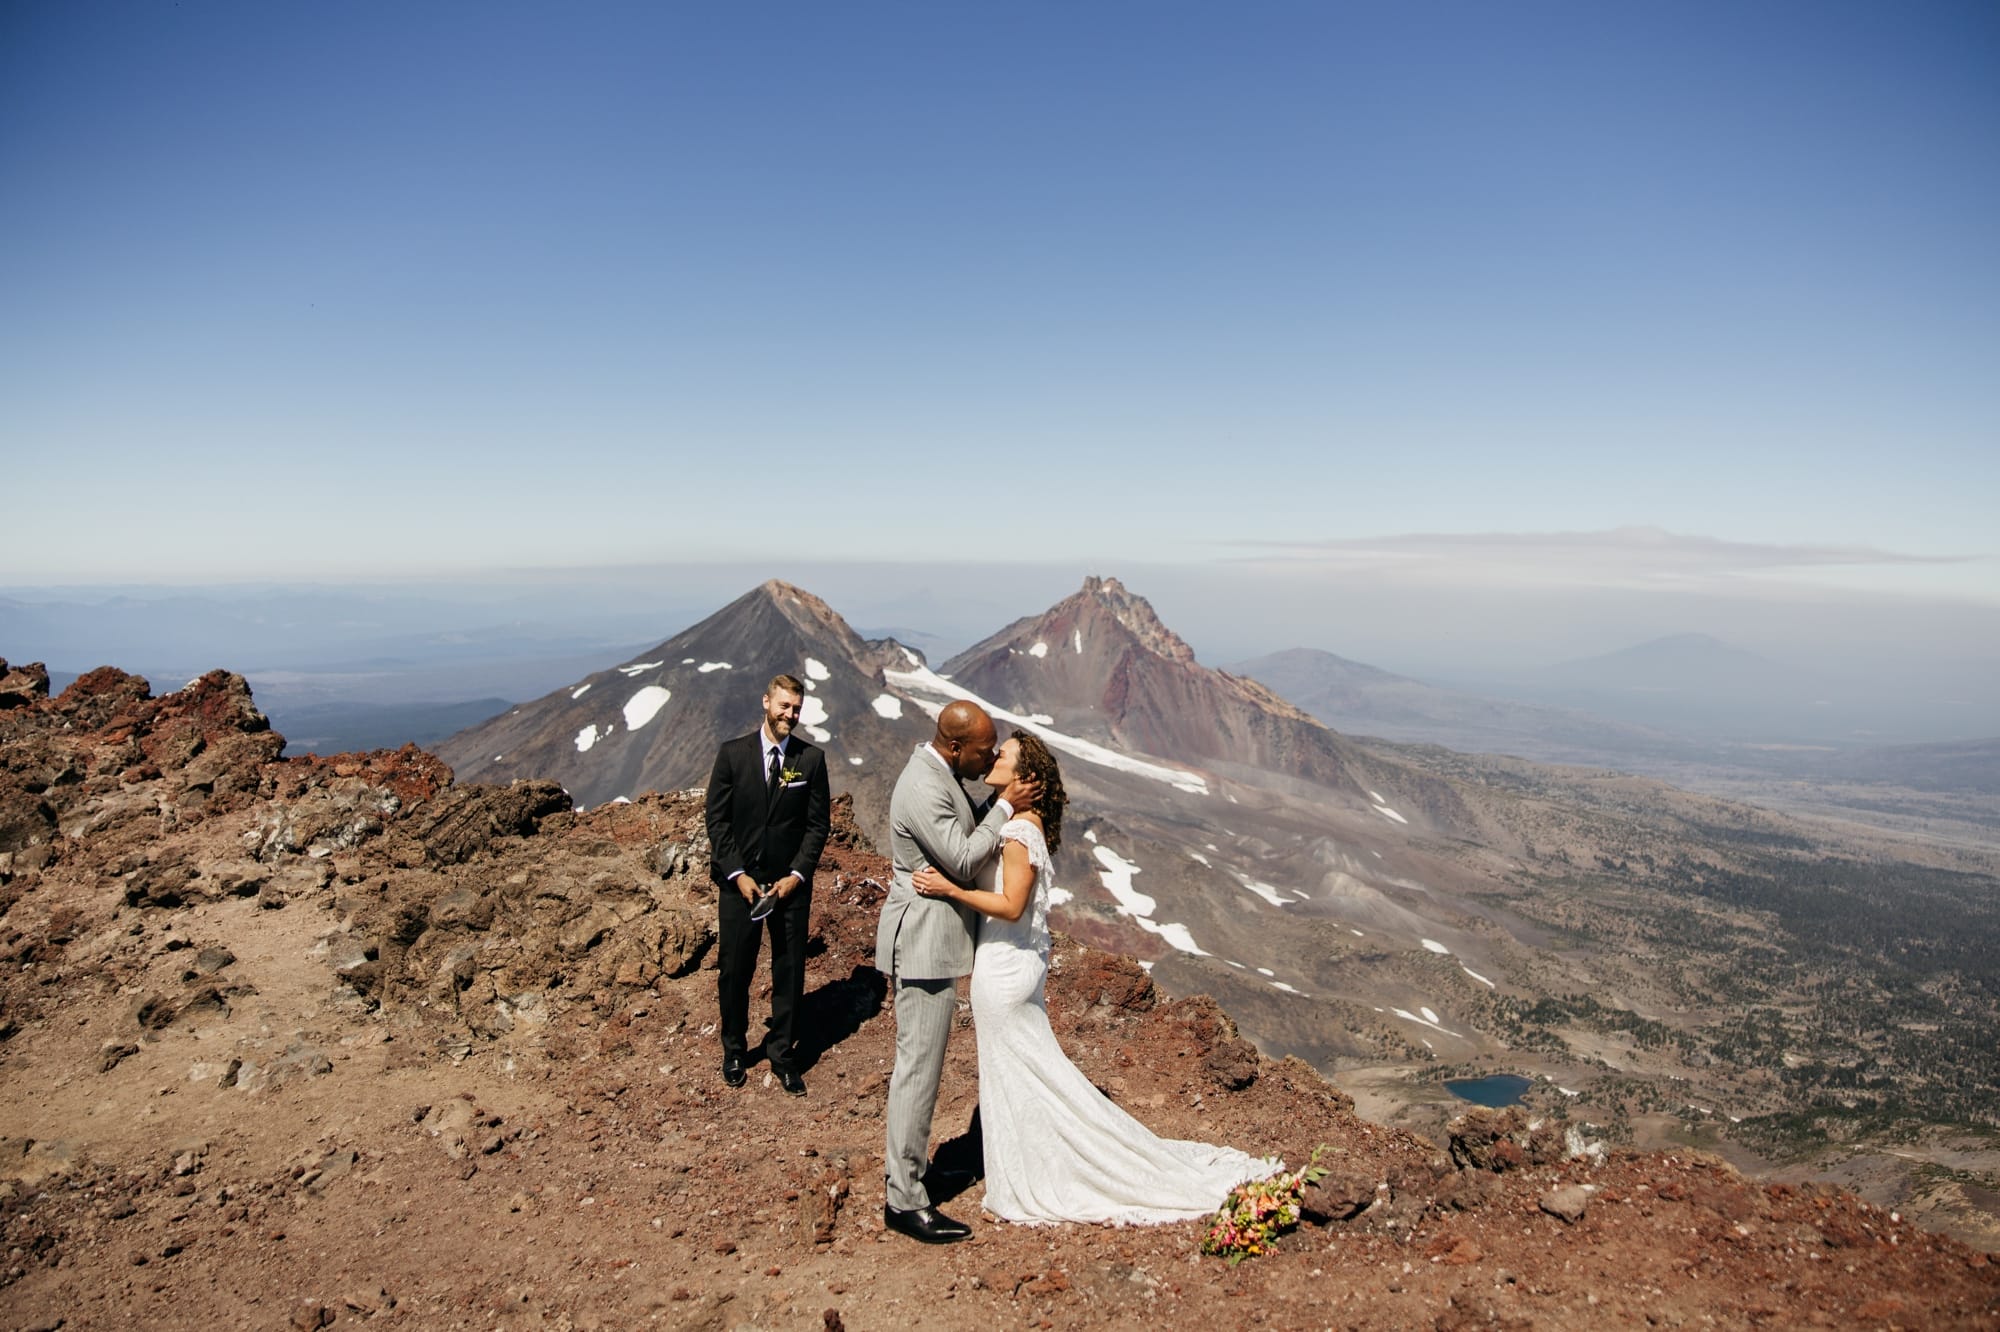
[(1056, 1149)]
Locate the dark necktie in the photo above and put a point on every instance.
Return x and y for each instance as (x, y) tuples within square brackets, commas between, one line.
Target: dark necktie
[(777, 766)]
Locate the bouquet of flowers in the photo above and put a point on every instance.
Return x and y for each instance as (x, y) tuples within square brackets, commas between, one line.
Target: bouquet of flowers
[(1258, 1212)]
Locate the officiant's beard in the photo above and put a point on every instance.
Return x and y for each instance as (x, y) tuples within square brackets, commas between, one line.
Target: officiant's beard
[(781, 714)]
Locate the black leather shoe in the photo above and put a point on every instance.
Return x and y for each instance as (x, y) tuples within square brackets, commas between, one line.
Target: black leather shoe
[(926, 1224), (732, 1069), (791, 1082)]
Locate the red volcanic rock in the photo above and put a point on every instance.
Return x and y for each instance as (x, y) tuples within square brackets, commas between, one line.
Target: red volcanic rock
[(1108, 981), (23, 685), (95, 697), (1485, 1139), (469, 1056), (413, 775)]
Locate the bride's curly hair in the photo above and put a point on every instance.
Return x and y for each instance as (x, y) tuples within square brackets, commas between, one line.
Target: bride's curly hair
[(1037, 762)]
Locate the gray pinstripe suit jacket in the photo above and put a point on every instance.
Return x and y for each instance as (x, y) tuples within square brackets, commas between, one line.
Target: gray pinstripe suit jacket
[(931, 823)]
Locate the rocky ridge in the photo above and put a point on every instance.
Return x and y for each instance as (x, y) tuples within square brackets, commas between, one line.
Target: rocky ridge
[(311, 1042)]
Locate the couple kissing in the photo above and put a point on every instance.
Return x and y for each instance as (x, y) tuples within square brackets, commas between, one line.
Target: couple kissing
[(971, 896)]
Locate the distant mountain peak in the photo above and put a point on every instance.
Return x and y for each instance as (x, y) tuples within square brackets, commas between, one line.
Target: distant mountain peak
[(1101, 664), (1132, 611)]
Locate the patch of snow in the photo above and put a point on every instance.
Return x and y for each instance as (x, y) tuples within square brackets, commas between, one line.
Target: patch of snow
[(1406, 1013), (498, 757), (641, 667), (1176, 934), (645, 705), (915, 660), (1079, 642), (586, 738), (1039, 650), (1434, 946), (687, 661), (708, 666), (620, 800), (1212, 846), (1060, 896), (1263, 890), (819, 734), (1303, 897), (1388, 813), (581, 690), (1476, 976), (1039, 718), (816, 669), (1238, 965), (1265, 971), (1375, 796), (1567, 1092), (1429, 1015), (923, 680), (1376, 854), (1280, 985), (812, 712), (1356, 933), (888, 705), (1199, 858), (1146, 967), (855, 759), (1090, 834), (1117, 875)]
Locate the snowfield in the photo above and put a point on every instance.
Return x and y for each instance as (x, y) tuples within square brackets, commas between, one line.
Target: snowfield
[(924, 681)]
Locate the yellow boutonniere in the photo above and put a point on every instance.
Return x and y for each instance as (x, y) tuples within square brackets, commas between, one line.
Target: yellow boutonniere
[(790, 775)]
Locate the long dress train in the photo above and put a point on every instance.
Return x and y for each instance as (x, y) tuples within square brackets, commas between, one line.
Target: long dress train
[(1056, 1149)]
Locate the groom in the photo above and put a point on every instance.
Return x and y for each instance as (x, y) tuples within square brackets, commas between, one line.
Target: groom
[(926, 943)]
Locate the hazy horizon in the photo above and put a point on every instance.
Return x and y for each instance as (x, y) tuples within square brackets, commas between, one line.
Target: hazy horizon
[(1455, 340), (1501, 631)]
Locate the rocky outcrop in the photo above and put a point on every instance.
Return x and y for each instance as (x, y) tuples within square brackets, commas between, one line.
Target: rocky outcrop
[(540, 1136)]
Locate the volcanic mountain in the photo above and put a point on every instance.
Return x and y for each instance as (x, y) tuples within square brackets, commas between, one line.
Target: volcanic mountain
[(653, 724), (1101, 665)]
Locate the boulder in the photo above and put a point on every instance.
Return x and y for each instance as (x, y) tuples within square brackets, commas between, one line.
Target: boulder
[(1342, 1193), (21, 686)]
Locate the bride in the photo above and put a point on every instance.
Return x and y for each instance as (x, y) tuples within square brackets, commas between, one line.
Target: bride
[(1056, 1148)]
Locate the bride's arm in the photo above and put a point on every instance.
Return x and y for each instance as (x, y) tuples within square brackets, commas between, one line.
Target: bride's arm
[(1017, 881)]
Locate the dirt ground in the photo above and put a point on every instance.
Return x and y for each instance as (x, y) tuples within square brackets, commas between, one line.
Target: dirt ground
[(304, 1043)]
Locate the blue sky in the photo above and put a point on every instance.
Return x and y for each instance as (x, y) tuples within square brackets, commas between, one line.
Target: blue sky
[(346, 291)]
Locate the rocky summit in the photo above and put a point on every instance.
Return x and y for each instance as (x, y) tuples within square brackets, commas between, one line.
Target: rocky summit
[(338, 1041), (1102, 665)]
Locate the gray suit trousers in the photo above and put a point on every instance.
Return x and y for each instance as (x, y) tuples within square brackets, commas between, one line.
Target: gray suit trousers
[(924, 1012)]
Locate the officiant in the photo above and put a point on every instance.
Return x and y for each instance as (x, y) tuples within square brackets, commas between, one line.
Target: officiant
[(769, 811)]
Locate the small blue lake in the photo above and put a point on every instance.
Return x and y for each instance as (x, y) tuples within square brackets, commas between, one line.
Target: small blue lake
[(1501, 1089)]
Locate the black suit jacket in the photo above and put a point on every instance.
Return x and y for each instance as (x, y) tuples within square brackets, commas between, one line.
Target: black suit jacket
[(760, 832)]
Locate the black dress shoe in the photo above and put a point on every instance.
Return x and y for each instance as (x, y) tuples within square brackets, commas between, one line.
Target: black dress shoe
[(927, 1224), (791, 1082), (732, 1069)]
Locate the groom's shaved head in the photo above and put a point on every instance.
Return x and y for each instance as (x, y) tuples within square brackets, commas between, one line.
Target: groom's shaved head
[(966, 738), (961, 720)]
